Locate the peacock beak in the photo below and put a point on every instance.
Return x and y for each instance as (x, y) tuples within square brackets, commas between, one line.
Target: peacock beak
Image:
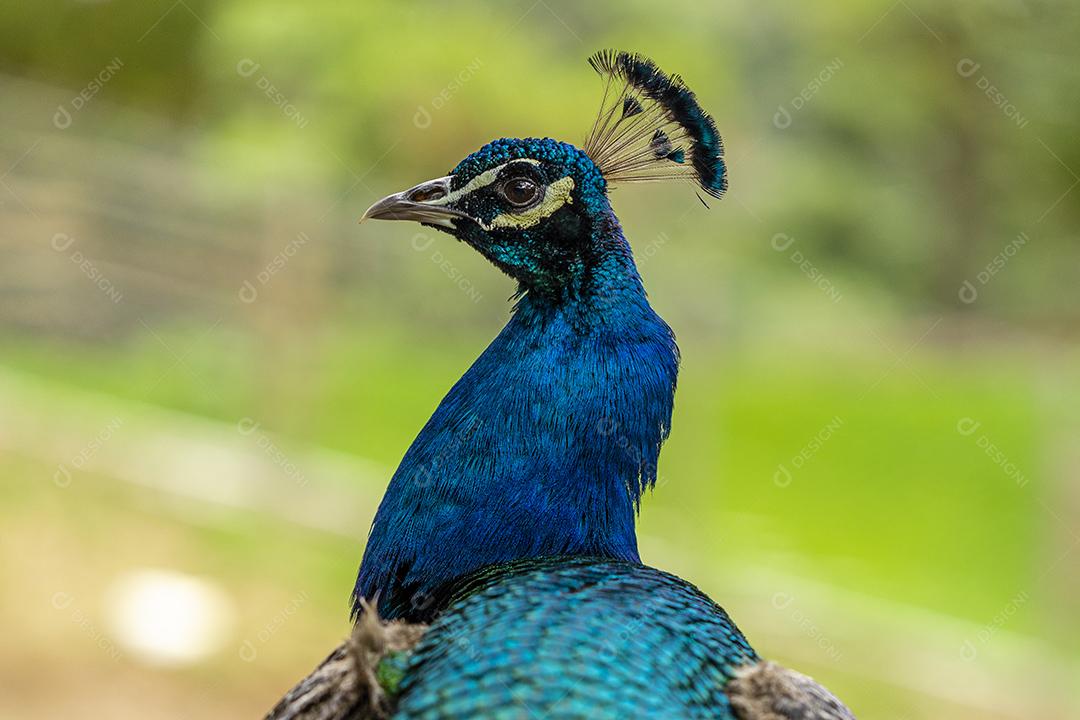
[(428, 203)]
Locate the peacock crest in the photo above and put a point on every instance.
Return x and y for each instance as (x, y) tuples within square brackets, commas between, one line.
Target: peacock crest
[(651, 127)]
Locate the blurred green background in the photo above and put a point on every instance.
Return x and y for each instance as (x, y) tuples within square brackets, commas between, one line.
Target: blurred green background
[(208, 371)]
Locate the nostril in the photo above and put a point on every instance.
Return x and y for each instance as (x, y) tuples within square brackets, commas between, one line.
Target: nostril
[(427, 194)]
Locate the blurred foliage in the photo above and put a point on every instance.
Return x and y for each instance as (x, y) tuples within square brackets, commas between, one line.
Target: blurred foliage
[(898, 168), (899, 147)]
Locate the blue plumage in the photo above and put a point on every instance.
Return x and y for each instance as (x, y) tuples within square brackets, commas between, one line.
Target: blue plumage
[(546, 444), (510, 522)]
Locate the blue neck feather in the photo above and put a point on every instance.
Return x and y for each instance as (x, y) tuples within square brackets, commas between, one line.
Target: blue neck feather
[(543, 448)]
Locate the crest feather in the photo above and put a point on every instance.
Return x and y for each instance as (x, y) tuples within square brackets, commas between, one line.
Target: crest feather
[(651, 127)]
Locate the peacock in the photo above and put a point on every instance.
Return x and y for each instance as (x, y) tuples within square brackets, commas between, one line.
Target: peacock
[(501, 576)]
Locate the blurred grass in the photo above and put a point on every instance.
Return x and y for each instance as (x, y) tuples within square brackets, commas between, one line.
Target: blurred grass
[(848, 514), (960, 541), (850, 510)]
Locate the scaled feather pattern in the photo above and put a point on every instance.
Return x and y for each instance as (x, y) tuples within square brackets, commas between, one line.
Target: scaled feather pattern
[(576, 638)]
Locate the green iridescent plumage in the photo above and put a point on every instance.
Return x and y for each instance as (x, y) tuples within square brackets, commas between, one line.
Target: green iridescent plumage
[(571, 638), (576, 638)]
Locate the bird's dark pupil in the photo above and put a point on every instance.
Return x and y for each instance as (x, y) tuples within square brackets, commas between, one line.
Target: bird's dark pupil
[(520, 192)]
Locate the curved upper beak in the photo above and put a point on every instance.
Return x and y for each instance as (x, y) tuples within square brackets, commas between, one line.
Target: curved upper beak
[(426, 203)]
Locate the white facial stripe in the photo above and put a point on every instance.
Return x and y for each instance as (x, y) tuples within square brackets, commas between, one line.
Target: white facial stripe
[(482, 180), (556, 195)]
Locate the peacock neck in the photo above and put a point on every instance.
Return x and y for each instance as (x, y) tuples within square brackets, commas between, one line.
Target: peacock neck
[(543, 448)]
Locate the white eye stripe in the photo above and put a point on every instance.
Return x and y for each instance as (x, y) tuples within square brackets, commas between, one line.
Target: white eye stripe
[(480, 181), (556, 195)]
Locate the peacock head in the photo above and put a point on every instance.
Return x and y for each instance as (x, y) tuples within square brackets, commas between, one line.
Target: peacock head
[(538, 208)]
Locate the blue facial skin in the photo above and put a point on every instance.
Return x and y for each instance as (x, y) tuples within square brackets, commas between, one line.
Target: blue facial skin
[(546, 444)]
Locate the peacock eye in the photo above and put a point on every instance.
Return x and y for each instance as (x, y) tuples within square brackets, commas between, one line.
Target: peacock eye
[(520, 192)]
